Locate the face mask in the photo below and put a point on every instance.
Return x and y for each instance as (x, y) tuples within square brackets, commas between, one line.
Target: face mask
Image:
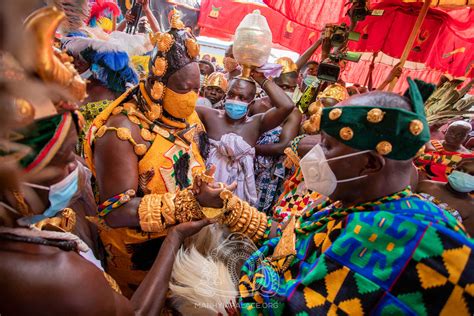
[(461, 181), (309, 80), (289, 94), (179, 105), (236, 109), (317, 173), (60, 196), (230, 64)]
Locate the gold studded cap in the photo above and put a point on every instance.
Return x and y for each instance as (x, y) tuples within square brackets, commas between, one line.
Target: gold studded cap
[(173, 49), (393, 132)]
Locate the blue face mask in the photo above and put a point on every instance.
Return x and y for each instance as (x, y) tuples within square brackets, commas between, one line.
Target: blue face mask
[(60, 195), (309, 80), (236, 109), (461, 181)]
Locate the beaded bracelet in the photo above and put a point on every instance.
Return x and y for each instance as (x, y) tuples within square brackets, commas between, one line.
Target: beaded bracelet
[(115, 202), (295, 143)]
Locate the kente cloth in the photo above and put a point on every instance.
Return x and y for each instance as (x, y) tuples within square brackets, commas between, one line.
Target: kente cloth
[(233, 159), (295, 199), (131, 252), (269, 173), (399, 255), (439, 164)]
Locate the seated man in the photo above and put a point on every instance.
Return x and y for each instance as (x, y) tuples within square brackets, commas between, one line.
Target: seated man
[(441, 157), (233, 135), (380, 249), (454, 196)]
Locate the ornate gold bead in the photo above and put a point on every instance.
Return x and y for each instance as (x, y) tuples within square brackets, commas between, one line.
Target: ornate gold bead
[(159, 66), (140, 149), (384, 147), (192, 47), (117, 110), (314, 107), (146, 134), (101, 131), (416, 127), (335, 114), (157, 90), (375, 115), (154, 113), (129, 106), (165, 42), (134, 119), (124, 133), (346, 133)]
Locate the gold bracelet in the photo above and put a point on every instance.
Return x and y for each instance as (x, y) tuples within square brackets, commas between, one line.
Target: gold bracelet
[(149, 213), (187, 208), (261, 229), (254, 224), (168, 209)]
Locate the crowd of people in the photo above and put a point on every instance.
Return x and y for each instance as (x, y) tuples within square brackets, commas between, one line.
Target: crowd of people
[(139, 176)]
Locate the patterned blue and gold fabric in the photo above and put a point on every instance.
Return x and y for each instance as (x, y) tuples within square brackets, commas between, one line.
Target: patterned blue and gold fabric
[(400, 255)]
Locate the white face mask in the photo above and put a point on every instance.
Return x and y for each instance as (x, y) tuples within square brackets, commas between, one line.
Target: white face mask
[(317, 173), (290, 94), (87, 74)]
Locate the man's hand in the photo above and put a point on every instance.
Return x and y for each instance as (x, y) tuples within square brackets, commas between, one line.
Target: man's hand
[(257, 76), (208, 195), (145, 4), (129, 17)]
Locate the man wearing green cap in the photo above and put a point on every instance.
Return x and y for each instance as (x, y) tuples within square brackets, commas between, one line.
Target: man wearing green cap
[(379, 248)]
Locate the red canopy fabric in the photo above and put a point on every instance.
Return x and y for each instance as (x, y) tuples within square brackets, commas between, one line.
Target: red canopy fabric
[(220, 18)]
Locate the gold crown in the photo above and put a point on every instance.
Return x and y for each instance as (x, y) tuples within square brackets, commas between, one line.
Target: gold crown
[(335, 91), (287, 64), (217, 79), (51, 67)]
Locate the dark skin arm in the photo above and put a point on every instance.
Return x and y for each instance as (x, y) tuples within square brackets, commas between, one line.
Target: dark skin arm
[(303, 59), (283, 105), (289, 132), (94, 296)]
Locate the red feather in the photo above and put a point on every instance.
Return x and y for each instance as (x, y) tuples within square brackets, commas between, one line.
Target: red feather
[(99, 8)]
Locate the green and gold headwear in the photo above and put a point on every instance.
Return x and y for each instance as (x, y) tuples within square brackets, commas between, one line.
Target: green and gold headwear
[(393, 132)]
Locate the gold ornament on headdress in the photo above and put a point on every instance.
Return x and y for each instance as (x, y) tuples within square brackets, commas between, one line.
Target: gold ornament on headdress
[(416, 127), (165, 42), (159, 66), (384, 147), (217, 79), (287, 64), (346, 133), (335, 91), (314, 107), (375, 115), (313, 125), (25, 112), (42, 24), (192, 47), (335, 114), (157, 90), (175, 20)]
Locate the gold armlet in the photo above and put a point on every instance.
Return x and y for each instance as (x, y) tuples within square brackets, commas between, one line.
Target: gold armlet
[(291, 159), (243, 218), (123, 133), (149, 213), (187, 208)]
